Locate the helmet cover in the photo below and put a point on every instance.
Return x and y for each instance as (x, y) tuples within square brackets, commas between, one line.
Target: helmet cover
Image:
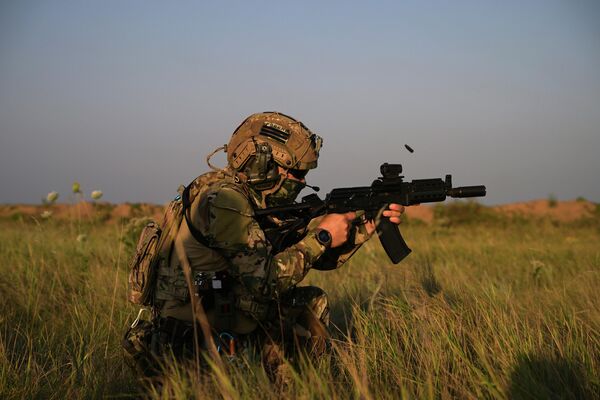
[(293, 145)]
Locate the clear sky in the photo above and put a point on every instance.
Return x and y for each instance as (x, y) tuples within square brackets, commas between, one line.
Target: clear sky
[(129, 96)]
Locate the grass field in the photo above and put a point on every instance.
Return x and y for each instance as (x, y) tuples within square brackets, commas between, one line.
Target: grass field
[(484, 307)]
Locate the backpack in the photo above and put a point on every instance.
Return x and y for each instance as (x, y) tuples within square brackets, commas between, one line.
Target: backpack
[(153, 247), (156, 242)]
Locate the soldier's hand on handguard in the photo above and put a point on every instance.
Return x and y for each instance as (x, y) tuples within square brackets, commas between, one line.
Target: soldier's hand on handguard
[(338, 225), (394, 212)]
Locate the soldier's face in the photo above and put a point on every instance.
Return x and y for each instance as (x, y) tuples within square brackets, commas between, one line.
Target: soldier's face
[(290, 188)]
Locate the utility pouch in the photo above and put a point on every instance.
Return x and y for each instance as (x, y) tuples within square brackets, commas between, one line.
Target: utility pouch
[(153, 251), (143, 266)]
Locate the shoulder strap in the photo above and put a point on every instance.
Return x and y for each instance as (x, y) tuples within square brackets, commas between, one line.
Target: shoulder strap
[(187, 206)]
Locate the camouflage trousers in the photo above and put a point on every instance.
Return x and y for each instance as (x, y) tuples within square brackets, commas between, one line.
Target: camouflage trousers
[(300, 319), (297, 323), (299, 327)]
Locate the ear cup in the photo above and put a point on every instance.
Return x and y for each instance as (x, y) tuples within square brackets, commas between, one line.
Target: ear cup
[(262, 170)]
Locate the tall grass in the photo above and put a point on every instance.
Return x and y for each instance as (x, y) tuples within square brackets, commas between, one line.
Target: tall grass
[(488, 309)]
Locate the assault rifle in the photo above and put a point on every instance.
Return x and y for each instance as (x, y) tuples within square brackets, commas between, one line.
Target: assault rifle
[(389, 188)]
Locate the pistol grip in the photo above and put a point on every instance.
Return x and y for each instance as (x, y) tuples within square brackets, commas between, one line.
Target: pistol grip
[(392, 241)]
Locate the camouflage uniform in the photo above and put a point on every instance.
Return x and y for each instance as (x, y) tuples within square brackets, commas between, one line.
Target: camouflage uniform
[(264, 284), (266, 302)]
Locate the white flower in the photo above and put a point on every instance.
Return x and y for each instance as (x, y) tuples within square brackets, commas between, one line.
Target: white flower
[(81, 238), (51, 197), (96, 194), (46, 214)]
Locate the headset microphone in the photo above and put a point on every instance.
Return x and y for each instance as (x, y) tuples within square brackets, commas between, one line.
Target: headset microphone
[(315, 188)]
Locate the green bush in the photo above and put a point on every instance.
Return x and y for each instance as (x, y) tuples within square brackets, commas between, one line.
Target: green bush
[(17, 216)]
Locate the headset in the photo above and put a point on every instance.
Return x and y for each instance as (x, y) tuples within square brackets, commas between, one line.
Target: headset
[(261, 170)]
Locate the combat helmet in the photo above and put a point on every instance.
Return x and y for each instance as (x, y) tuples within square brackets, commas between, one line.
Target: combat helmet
[(264, 141)]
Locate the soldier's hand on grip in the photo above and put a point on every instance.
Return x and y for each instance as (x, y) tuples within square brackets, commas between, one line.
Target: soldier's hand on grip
[(338, 225), (394, 212)]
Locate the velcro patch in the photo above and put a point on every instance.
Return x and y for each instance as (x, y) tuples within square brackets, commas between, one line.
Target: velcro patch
[(275, 132)]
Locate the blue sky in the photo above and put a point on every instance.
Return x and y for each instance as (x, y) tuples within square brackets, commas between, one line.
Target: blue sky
[(129, 97)]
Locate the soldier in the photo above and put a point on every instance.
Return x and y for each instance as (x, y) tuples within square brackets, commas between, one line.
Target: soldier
[(246, 289)]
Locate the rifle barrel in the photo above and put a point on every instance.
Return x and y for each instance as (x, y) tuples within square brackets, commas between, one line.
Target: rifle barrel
[(467, 191)]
